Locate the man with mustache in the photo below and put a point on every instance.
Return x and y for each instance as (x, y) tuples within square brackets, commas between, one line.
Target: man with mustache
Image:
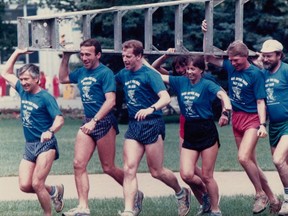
[(276, 85)]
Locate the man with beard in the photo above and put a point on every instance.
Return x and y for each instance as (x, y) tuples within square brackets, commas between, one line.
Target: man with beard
[(247, 93), (276, 85)]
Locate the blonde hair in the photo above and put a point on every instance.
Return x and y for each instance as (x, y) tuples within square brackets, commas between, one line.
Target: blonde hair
[(238, 48)]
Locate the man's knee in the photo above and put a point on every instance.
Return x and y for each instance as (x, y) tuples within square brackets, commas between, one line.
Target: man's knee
[(279, 161), (26, 188)]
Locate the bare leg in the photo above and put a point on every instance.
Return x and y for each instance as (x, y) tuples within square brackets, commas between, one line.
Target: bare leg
[(280, 155), (208, 164), (132, 154), (188, 170), (106, 151), (155, 154), (83, 151), (32, 177), (247, 157)]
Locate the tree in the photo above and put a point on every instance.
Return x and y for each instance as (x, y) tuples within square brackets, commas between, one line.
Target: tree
[(8, 34)]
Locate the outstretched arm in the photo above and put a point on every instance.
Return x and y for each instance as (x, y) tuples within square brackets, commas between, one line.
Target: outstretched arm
[(165, 78), (8, 71)]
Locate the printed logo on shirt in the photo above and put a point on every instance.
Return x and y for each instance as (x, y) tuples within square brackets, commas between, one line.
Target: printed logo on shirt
[(269, 86), (237, 85), (27, 108), (188, 98), (131, 86), (87, 83)]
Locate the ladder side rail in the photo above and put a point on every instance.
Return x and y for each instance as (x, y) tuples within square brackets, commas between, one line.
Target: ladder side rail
[(178, 40), (208, 37), (148, 29), (22, 33)]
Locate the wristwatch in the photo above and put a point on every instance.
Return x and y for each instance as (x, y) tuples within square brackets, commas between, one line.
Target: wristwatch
[(225, 113), (95, 119), (51, 131), (264, 124), (154, 108)]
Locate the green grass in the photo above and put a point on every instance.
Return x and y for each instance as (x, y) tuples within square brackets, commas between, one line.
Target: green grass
[(12, 144), (230, 206)]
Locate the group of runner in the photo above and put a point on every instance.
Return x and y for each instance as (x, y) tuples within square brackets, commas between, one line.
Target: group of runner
[(251, 91)]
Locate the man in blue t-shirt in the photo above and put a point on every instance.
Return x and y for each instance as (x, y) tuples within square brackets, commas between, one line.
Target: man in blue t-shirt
[(247, 93), (97, 88), (145, 95), (276, 85), (41, 119)]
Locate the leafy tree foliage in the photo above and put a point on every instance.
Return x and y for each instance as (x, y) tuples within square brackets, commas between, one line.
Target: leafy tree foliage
[(8, 34)]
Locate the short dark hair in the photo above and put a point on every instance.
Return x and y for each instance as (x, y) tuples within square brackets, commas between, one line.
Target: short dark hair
[(136, 45), (92, 42), (33, 69), (181, 60), (198, 61)]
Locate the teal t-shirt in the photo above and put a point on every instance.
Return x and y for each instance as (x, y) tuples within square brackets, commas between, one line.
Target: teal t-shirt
[(141, 89), (38, 112), (245, 87), (276, 85), (93, 85), (195, 100)]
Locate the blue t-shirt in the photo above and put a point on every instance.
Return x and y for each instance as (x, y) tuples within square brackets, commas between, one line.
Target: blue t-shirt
[(38, 112), (276, 85), (245, 87), (141, 89), (195, 100), (93, 85)]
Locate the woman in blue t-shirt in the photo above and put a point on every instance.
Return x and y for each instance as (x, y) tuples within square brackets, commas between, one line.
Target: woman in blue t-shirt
[(195, 97)]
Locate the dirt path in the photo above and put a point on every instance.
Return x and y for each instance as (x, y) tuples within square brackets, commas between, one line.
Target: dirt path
[(103, 186)]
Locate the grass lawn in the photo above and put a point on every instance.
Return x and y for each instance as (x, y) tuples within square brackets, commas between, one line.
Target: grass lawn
[(230, 206), (12, 144)]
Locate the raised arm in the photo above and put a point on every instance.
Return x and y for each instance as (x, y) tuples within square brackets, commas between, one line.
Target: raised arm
[(8, 71), (165, 78), (217, 61), (64, 68), (157, 64)]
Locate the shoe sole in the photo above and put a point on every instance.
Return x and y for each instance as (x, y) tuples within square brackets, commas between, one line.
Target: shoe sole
[(261, 210)]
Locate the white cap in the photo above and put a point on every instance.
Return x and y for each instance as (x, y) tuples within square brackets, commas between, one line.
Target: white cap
[(271, 46)]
